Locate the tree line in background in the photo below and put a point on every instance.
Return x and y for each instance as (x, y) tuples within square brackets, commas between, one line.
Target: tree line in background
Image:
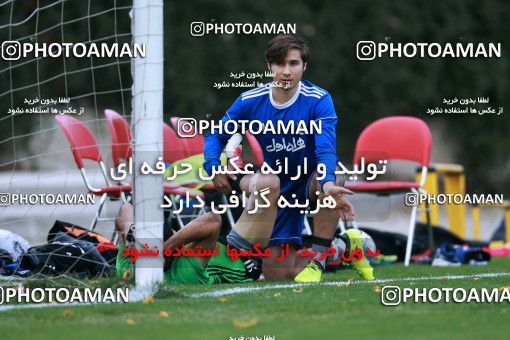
[(362, 90)]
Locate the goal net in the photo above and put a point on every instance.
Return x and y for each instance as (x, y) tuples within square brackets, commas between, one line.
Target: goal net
[(64, 64)]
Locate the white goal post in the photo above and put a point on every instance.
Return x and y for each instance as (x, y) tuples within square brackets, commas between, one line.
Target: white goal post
[(147, 122)]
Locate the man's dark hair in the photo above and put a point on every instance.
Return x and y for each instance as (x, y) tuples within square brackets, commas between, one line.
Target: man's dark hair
[(279, 46)]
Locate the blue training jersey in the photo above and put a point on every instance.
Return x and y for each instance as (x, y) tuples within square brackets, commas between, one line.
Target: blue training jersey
[(309, 103)]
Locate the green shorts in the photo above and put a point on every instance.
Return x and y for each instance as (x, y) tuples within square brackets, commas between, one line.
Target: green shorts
[(225, 270), (187, 270)]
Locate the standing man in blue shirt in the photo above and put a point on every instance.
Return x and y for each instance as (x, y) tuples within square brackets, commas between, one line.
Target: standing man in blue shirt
[(288, 99)]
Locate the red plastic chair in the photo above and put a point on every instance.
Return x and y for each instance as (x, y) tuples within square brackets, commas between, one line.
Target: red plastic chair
[(193, 145), (173, 147), (84, 146), (395, 138), (176, 148), (174, 122), (120, 133)]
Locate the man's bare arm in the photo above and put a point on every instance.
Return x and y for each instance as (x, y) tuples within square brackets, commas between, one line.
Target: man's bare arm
[(199, 229), (203, 231)]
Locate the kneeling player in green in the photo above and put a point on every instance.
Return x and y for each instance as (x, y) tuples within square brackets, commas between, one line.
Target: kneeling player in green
[(201, 232)]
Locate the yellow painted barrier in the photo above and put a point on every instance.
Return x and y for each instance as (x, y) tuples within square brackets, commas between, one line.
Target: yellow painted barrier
[(454, 182), (431, 187), (476, 223), (476, 218), (507, 224)]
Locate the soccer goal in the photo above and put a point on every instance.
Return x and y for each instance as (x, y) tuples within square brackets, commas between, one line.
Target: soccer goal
[(66, 65)]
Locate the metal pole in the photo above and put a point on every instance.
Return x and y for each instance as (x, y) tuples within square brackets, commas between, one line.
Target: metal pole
[(147, 122)]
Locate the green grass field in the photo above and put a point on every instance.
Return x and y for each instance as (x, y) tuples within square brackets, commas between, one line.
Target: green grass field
[(284, 310)]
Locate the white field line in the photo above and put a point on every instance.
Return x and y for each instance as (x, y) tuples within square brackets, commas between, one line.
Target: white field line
[(43, 305), (240, 290), (244, 289)]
